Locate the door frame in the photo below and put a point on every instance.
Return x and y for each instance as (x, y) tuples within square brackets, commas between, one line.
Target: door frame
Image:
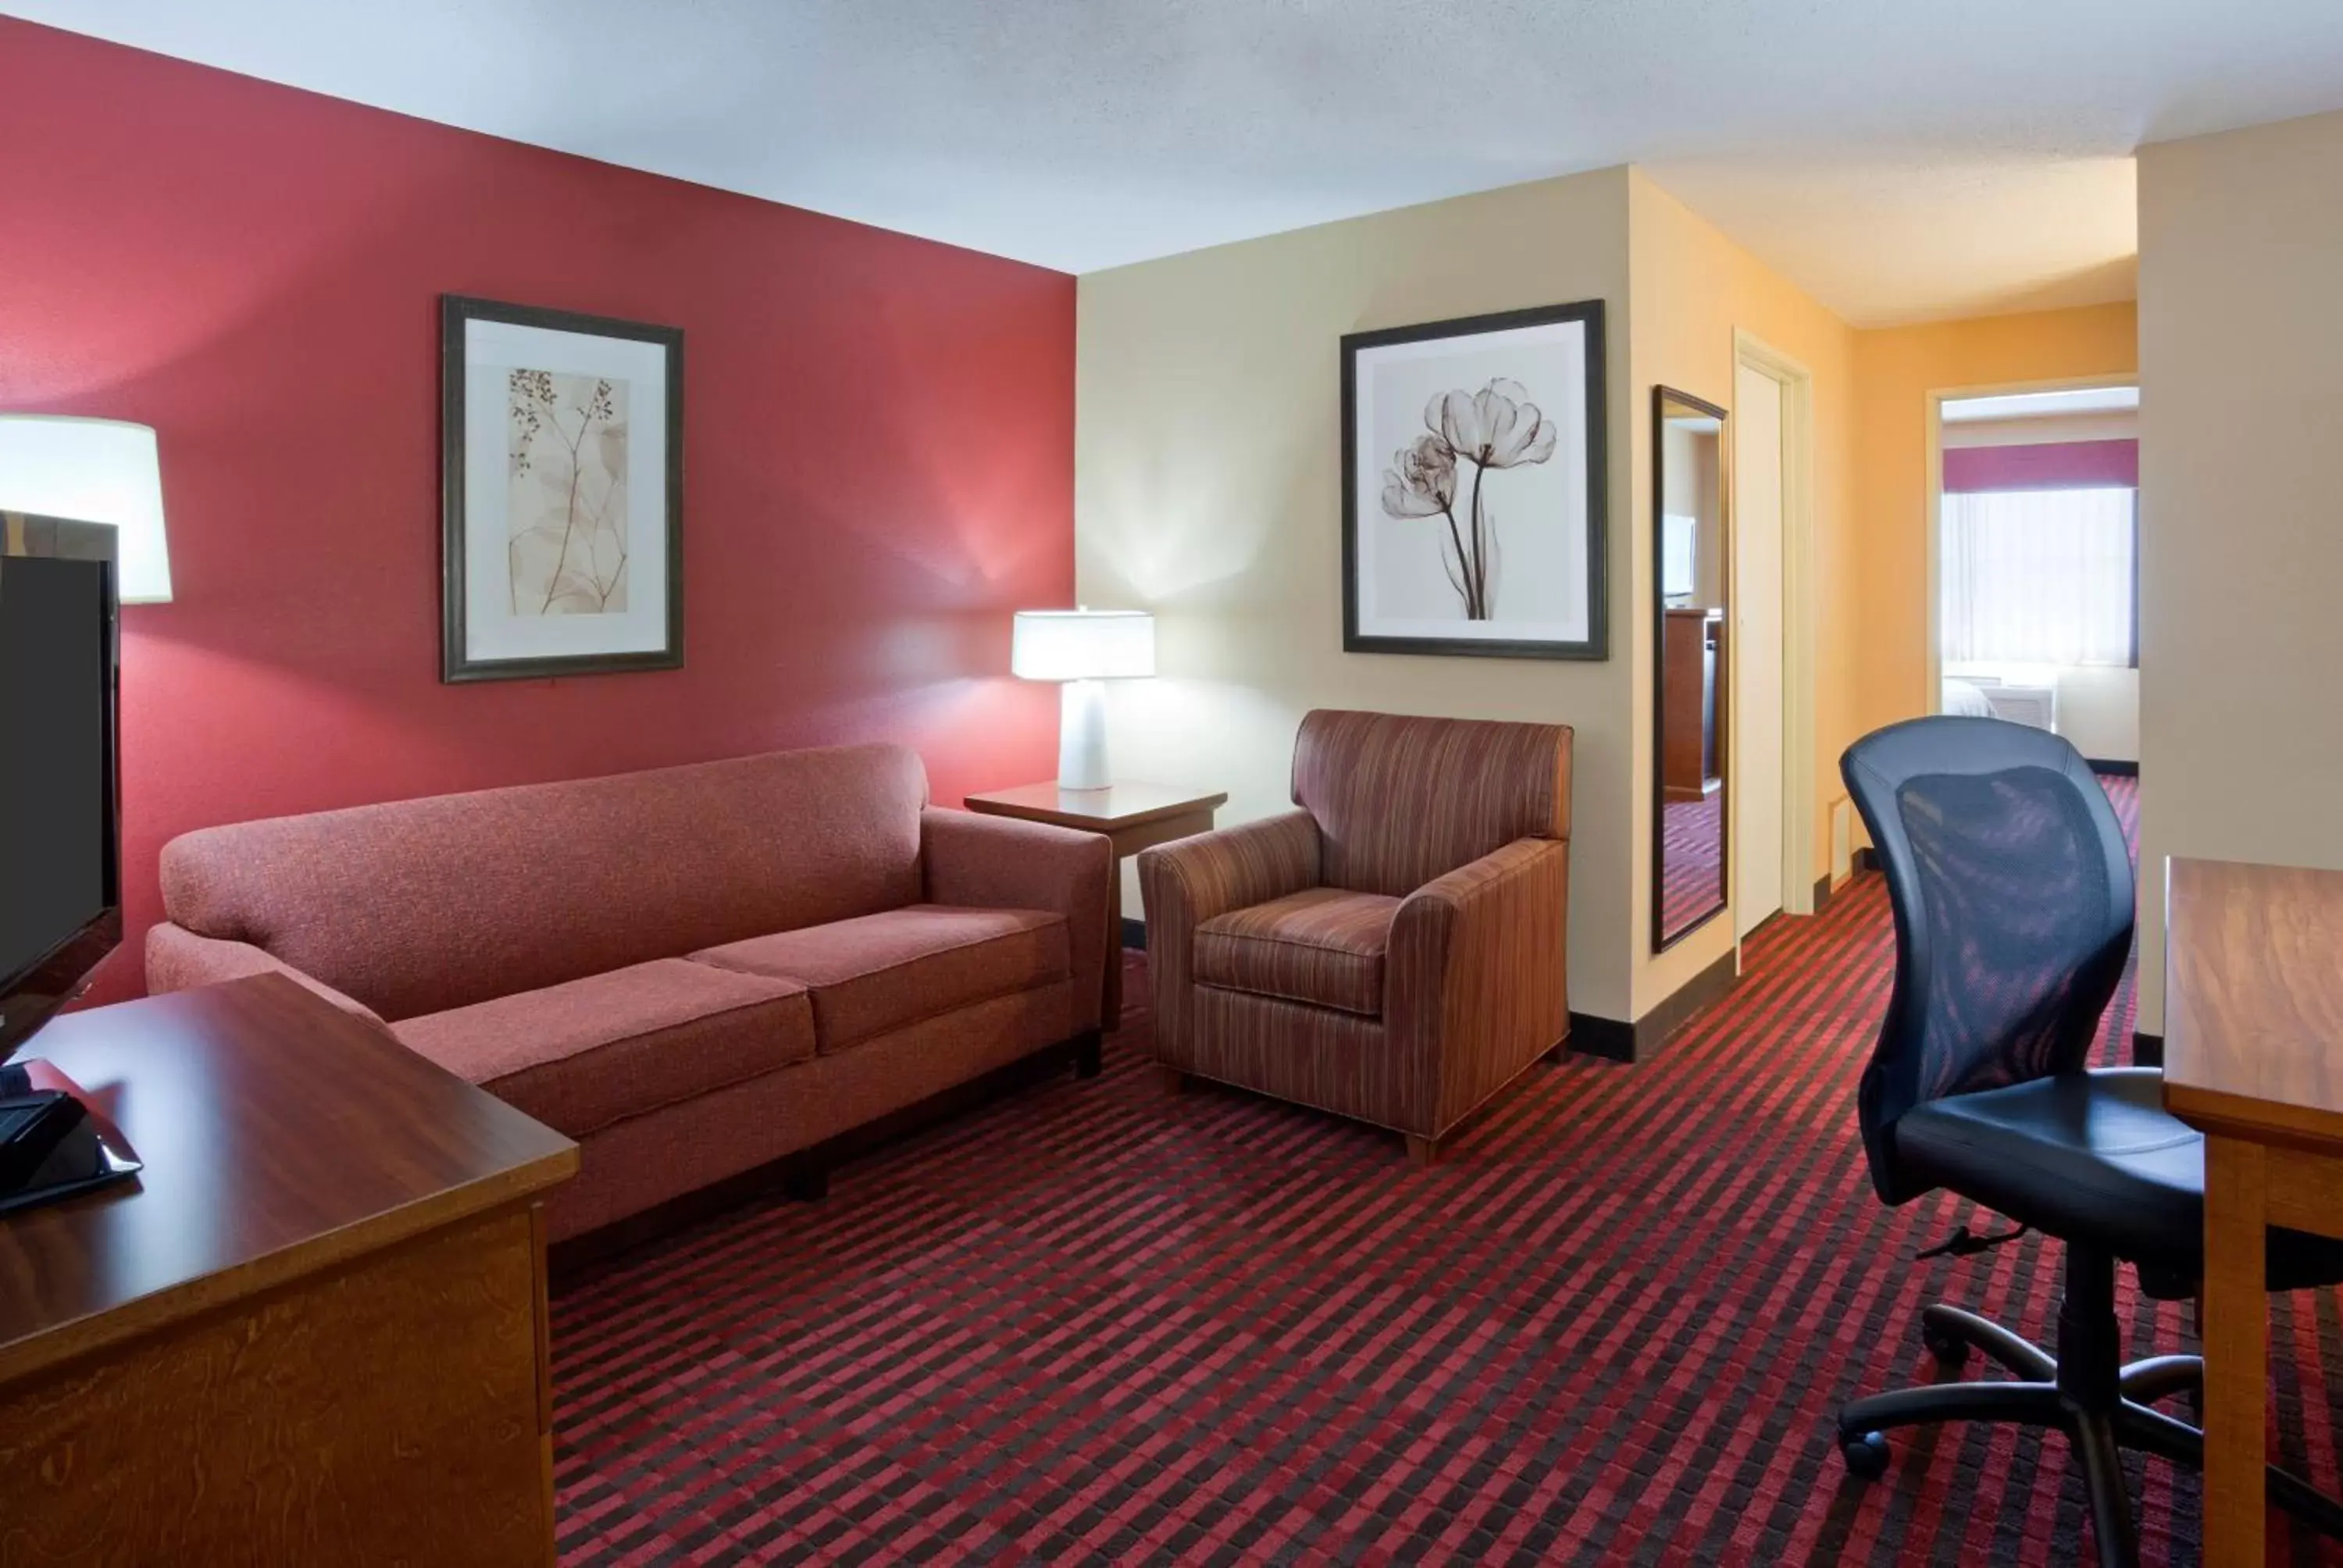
[(1799, 799), (1932, 521)]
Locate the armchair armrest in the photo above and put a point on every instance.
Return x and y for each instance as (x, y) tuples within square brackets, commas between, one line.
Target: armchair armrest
[(1194, 879), (180, 959), (1474, 984), (1188, 881), (1004, 863)]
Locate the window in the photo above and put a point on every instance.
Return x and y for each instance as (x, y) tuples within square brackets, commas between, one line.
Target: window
[(2040, 576)]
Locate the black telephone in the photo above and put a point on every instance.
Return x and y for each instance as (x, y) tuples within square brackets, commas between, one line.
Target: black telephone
[(46, 1138)]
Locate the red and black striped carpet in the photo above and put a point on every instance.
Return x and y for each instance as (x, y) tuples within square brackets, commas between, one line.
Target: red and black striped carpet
[(1691, 859), (1091, 1323)]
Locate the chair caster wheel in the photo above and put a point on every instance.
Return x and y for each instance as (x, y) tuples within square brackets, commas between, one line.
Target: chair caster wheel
[(1866, 1453), (1951, 1352)]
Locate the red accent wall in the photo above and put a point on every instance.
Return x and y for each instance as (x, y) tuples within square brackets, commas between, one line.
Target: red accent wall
[(878, 445), (2048, 466)]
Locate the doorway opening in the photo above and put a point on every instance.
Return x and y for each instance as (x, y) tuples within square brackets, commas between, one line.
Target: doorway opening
[(2034, 560)]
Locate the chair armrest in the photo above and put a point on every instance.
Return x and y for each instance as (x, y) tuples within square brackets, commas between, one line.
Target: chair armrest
[(1194, 879), (1475, 983), (180, 959), (1188, 881), (977, 861)]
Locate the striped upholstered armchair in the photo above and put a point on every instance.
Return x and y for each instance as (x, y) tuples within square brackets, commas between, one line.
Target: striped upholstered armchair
[(1393, 950)]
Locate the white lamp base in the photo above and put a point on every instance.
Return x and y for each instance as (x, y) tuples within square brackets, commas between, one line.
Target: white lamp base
[(1081, 735)]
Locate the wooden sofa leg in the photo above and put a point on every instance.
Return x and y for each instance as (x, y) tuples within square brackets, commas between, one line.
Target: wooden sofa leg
[(1174, 1082), (1423, 1152), (808, 1182), (1087, 1055)]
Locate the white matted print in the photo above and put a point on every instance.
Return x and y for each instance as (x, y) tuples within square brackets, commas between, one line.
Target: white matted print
[(563, 506), (1473, 490)]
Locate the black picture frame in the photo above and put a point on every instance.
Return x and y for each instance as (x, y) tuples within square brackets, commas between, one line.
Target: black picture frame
[(1596, 645), (1664, 939), (457, 665)]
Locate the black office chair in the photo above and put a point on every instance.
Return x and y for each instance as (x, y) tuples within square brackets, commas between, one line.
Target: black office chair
[(2012, 888)]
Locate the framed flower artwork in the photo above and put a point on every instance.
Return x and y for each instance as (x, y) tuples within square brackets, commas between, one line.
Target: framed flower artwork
[(561, 456), (1475, 494)]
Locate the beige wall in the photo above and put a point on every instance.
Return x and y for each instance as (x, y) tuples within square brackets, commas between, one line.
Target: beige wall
[(1208, 488), (2240, 331), (1896, 368), (2042, 430), (2099, 712), (1692, 287)]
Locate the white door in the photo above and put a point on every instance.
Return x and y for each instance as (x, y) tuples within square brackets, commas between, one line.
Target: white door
[(1756, 655)]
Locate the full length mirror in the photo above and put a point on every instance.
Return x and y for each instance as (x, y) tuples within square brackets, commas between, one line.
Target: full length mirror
[(1688, 690)]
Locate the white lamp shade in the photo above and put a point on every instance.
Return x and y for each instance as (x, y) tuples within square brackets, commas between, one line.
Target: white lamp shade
[(93, 471), (1082, 644)]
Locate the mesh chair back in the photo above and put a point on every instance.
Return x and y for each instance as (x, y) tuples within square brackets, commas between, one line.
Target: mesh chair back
[(2012, 888)]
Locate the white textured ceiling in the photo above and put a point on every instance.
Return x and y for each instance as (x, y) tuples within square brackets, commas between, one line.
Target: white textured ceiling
[(1900, 159)]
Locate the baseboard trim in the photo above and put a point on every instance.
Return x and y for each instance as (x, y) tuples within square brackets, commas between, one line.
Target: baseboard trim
[(1134, 934), (2120, 769), (1591, 1034), (1866, 859), (2146, 1049), (1823, 891)]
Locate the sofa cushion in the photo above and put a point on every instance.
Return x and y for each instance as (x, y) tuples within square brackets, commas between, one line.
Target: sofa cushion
[(588, 1053), (882, 971), (1322, 945)]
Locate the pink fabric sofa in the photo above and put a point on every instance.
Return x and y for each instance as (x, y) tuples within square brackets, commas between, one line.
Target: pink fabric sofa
[(692, 971)]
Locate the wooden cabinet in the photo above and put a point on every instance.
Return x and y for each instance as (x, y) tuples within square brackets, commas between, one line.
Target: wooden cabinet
[(1691, 707), (314, 1330)]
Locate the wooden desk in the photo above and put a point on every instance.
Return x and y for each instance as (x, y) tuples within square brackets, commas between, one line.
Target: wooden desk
[(2253, 1056), (1135, 816), (313, 1330)]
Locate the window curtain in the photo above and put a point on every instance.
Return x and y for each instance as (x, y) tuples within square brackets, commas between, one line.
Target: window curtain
[(2039, 577)]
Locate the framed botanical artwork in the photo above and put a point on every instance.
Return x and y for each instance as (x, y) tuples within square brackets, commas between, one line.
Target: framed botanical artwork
[(1475, 494), (562, 454)]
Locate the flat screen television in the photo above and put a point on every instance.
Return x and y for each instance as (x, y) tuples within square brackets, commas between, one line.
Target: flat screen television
[(60, 827)]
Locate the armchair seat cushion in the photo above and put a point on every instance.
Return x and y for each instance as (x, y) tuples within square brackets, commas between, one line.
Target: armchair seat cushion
[(879, 972), (587, 1054), (1323, 946)]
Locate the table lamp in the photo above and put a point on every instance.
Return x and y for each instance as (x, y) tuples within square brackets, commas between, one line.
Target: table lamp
[(1083, 648), (92, 471)]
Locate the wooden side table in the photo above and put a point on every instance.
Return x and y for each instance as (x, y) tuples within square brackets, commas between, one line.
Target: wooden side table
[(1134, 815), (2253, 1057), (312, 1331)]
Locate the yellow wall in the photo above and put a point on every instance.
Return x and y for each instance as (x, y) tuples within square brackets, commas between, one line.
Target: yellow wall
[(1692, 287), (2241, 745), (1895, 370)]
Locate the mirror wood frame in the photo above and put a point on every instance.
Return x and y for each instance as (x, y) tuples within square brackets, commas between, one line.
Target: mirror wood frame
[(1663, 399)]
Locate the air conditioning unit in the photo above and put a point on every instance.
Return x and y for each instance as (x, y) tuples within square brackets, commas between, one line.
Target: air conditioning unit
[(2037, 706)]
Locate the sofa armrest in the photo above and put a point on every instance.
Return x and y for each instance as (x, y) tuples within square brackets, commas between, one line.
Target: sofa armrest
[(1188, 881), (1005, 863), (180, 959), (1475, 983)]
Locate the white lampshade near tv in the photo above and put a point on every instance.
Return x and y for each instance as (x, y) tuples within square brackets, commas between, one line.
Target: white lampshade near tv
[(1082, 649), (92, 471)]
